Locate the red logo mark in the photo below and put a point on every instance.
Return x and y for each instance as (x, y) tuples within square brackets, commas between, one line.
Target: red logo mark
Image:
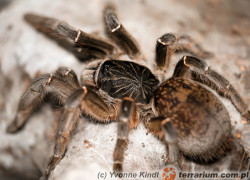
[(169, 173)]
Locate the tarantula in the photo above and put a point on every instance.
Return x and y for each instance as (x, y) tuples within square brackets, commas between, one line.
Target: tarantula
[(182, 112)]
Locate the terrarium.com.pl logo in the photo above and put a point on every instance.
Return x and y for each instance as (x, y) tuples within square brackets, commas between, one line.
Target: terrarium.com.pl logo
[(169, 173), (172, 173)]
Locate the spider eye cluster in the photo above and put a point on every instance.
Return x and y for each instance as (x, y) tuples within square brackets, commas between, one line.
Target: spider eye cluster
[(127, 79)]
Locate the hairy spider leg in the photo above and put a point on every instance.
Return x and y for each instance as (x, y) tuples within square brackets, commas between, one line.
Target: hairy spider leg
[(171, 137), (84, 101), (169, 43), (127, 118), (198, 70), (164, 129), (117, 33), (83, 45), (59, 85)]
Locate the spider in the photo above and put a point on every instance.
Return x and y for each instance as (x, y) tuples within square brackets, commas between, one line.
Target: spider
[(184, 114)]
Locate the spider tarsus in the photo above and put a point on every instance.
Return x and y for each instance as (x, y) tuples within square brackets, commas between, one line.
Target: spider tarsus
[(19, 121), (42, 23), (13, 128), (31, 17), (111, 17)]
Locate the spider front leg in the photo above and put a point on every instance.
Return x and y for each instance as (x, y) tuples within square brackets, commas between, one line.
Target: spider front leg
[(81, 44), (198, 70), (60, 85), (80, 101), (168, 44), (119, 34), (127, 119)]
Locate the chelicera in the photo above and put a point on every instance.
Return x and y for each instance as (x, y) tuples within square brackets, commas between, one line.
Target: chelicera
[(181, 111)]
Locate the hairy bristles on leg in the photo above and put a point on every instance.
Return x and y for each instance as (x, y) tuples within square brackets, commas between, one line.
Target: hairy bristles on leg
[(164, 50), (168, 44), (85, 101), (67, 124), (198, 70), (125, 116), (92, 105), (58, 84), (119, 34), (171, 137), (85, 39), (82, 45), (164, 129), (42, 23), (92, 52)]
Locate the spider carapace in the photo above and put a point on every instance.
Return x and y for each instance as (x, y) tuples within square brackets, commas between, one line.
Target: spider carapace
[(127, 79)]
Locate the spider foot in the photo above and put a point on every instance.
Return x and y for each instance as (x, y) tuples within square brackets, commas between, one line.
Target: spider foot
[(12, 128), (17, 124), (54, 160)]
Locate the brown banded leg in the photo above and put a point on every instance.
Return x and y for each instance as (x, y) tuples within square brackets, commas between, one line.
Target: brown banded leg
[(59, 85), (80, 101), (168, 44), (171, 136), (198, 70), (119, 34), (126, 118), (164, 129), (67, 124), (81, 44), (94, 107)]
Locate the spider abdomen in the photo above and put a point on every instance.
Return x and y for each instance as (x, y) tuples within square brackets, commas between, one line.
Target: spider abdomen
[(127, 79), (201, 120)]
